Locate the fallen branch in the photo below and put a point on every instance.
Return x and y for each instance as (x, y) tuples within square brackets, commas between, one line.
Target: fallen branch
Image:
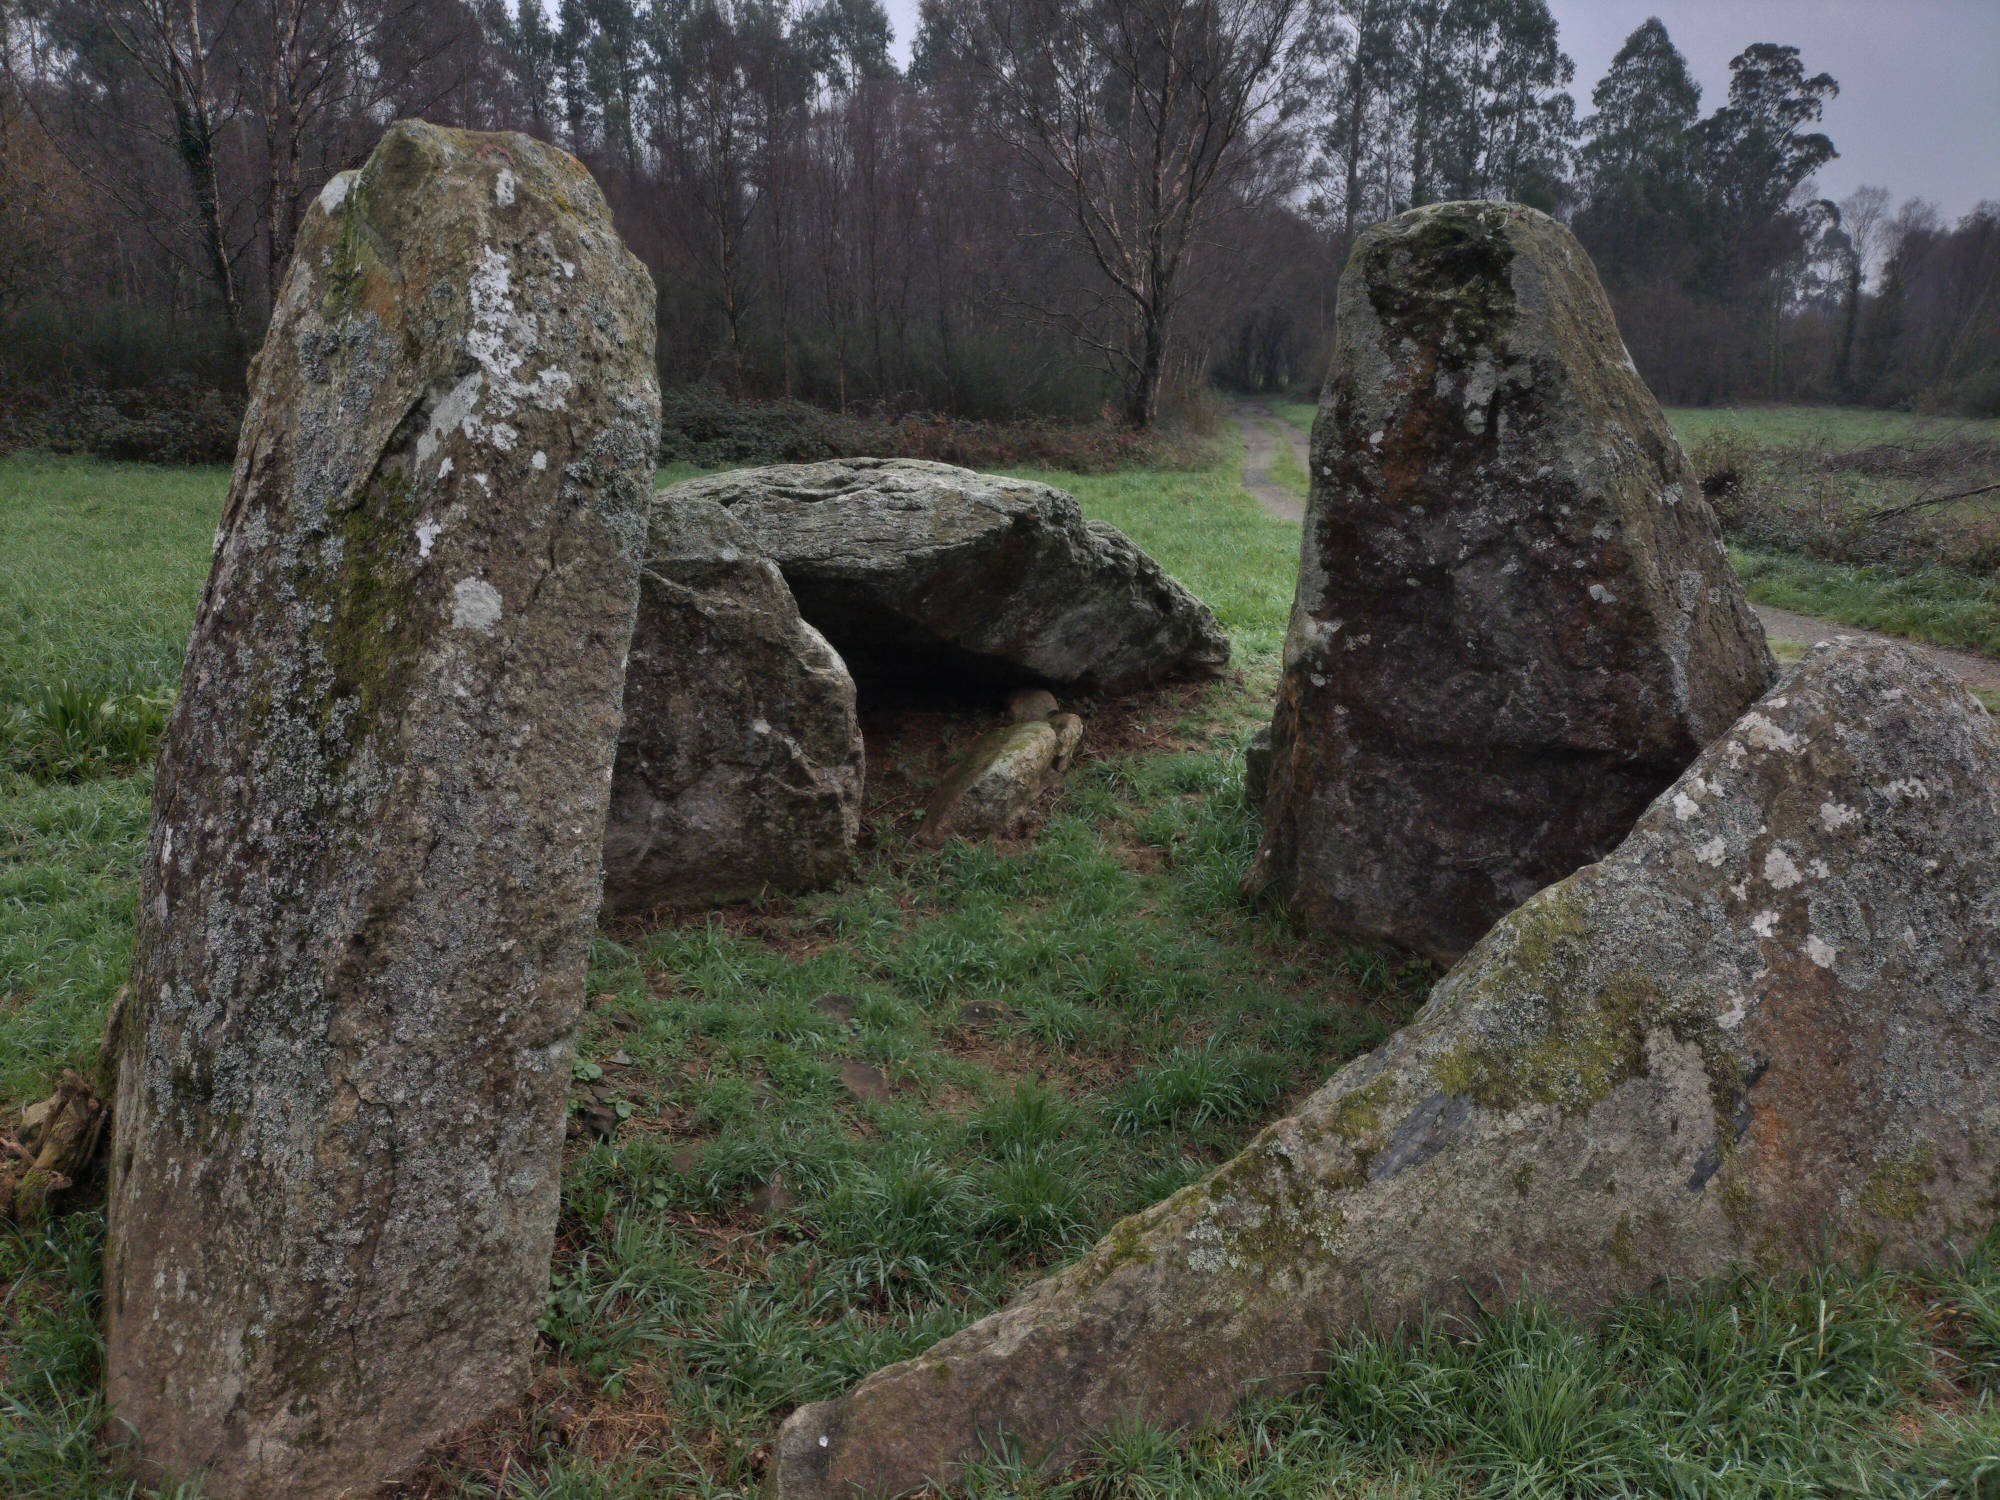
[(1891, 512)]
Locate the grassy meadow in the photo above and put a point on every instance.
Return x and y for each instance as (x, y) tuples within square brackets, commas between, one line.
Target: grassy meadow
[(849, 1124)]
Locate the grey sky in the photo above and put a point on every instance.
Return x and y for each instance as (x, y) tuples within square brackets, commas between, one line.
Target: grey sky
[(1919, 105)]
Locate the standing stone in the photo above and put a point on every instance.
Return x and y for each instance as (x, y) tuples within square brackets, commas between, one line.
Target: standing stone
[(378, 814), (1765, 1030), (740, 764), (1515, 621)]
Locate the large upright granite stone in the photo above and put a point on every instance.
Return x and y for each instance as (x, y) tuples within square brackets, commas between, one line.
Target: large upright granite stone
[(1772, 1015), (377, 824), (922, 571), (1515, 622), (740, 764)]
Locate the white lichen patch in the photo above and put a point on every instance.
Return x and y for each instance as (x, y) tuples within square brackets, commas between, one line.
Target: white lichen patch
[(1820, 951), (1712, 852), (1685, 807), (1762, 734), (1602, 594), (1909, 790), (501, 338), (539, 462), (1780, 871), (1837, 815), (427, 533), (1764, 924), (503, 188), (475, 605), (454, 411), (335, 192)]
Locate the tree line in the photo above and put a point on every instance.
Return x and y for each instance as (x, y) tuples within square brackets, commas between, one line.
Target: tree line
[(1059, 207)]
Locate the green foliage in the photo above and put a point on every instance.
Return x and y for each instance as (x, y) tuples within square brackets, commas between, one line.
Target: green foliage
[(1198, 1086), (100, 569)]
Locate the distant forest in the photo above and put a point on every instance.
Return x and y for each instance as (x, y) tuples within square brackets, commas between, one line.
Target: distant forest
[(1060, 208)]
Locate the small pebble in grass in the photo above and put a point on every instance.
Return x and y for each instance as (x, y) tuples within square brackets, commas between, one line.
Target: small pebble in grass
[(594, 1121), (774, 1199), (982, 1013), (866, 1084), (836, 1006)]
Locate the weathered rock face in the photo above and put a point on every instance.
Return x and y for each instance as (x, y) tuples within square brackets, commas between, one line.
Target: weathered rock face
[(920, 570), (1257, 766), (377, 825), (1773, 1013), (740, 764), (995, 783), (1515, 622)]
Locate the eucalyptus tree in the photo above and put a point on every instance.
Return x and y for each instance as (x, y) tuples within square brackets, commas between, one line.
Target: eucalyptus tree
[(1641, 160)]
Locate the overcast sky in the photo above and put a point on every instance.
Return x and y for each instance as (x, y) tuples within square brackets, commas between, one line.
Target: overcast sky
[(1919, 105)]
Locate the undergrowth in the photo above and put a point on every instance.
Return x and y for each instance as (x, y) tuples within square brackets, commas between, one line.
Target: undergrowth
[(703, 427)]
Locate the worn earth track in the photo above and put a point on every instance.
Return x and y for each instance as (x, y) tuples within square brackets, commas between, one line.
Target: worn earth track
[(1255, 423), (1260, 426)]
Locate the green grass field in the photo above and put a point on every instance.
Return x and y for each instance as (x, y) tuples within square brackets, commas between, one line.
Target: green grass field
[(1781, 426), (1836, 426), (1067, 1030)]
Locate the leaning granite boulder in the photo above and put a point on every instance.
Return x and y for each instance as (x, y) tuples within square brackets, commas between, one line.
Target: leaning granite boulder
[(1515, 622), (740, 764), (919, 570), (378, 819), (1766, 1028)]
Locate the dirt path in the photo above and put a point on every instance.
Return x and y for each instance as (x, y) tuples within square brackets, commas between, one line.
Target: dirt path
[(1782, 625), (1260, 447), (1255, 421)]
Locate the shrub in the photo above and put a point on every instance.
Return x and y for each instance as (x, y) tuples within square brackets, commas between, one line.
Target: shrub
[(702, 426), (1888, 505), (178, 422)]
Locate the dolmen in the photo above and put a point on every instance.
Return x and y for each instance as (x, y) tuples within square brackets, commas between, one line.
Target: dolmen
[(1515, 621), (774, 599), (1764, 1029)]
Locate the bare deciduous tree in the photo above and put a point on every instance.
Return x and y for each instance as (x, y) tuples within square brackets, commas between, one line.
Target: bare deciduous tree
[(1144, 121)]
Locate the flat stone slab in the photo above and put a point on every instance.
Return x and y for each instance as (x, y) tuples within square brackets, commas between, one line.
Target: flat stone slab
[(1765, 1029), (921, 571)]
